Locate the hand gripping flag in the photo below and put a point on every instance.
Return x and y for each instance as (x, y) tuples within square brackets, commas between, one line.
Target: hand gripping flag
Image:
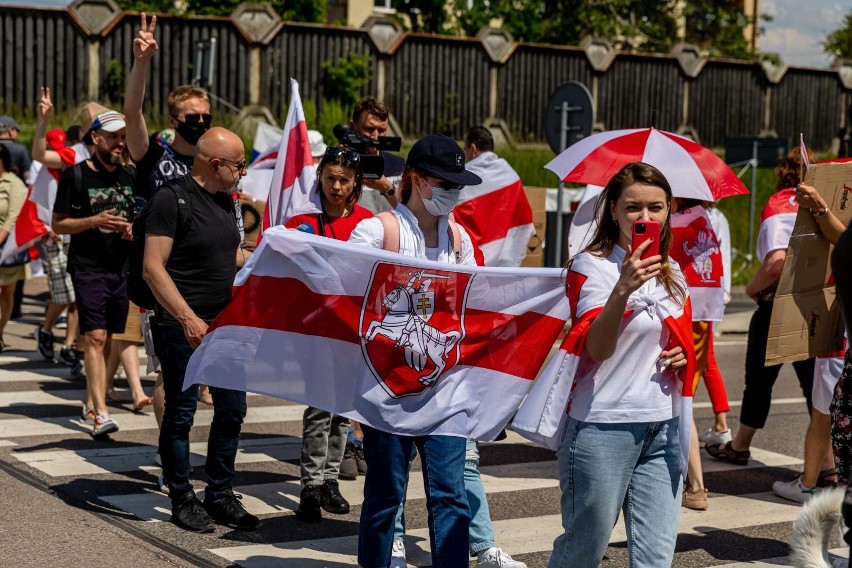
[(292, 191), (496, 213), (404, 345), (541, 418)]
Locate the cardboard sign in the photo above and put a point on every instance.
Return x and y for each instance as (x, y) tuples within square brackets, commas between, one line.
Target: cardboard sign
[(806, 320), (537, 198)]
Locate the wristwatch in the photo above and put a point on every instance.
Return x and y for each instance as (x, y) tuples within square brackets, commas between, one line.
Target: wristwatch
[(822, 212), (391, 190)]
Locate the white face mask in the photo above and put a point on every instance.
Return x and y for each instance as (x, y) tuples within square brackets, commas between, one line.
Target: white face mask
[(443, 201)]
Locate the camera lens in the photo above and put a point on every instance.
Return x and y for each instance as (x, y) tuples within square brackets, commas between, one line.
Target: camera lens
[(640, 228)]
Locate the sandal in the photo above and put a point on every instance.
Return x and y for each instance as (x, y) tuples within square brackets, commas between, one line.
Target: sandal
[(823, 478), (728, 453)]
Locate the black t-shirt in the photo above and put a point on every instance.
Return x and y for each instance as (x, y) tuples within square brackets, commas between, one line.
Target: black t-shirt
[(393, 165), (96, 250), (159, 165), (203, 261)]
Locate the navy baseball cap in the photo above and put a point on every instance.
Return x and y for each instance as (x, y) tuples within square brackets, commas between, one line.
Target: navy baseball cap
[(439, 156)]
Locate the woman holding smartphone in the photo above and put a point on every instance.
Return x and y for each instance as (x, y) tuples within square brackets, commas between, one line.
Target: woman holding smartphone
[(631, 336)]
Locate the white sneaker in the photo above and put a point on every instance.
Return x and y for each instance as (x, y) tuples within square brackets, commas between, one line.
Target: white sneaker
[(398, 555), (793, 490), (104, 425), (496, 558), (712, 437), (162, 485)]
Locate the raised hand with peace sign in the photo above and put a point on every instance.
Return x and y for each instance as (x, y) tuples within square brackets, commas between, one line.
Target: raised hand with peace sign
[(145, 46), (45, 106)]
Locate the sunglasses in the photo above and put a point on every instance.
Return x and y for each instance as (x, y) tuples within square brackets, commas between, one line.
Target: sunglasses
[(451, 186), (195, 118), (350, 155), (240, 166)]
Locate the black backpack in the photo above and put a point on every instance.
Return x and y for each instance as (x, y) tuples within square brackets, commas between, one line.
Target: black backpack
[(137, 289)]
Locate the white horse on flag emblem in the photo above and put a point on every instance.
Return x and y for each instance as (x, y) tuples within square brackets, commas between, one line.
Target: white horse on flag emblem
[(406, 323)]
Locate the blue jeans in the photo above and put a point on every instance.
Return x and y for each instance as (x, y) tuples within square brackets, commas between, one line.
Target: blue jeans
[(481, 529), (634, 467), (229, 410), (388, 457)]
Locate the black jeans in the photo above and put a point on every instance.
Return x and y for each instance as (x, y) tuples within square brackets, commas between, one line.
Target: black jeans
[(229, 410), (759, 380)]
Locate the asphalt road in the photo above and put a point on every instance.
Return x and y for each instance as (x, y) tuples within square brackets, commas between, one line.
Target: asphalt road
[(72, 501)]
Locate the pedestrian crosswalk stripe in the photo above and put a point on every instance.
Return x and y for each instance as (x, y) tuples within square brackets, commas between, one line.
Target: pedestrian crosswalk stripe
[(70, 397), (520, 536), (270, 498), (67, 425)]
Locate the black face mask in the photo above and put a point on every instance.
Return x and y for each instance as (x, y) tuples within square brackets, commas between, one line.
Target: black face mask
[(191, 132)]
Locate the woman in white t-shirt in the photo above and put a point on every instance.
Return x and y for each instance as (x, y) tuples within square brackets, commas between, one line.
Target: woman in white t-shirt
[(631, 335)]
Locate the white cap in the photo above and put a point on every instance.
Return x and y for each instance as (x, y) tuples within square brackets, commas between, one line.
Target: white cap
[(317, 145)]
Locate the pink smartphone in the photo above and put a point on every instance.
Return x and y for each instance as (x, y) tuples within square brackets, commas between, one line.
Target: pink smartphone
[(643, 231)]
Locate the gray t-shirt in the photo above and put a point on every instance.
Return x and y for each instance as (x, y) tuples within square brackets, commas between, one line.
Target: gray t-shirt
[(20, 156)]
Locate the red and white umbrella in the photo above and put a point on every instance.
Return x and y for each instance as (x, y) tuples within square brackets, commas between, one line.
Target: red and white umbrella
[(692, 170)]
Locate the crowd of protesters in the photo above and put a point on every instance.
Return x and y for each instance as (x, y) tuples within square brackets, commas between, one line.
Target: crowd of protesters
[(110, 173)]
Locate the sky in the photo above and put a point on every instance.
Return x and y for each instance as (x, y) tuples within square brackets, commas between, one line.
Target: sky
[(799, 27)]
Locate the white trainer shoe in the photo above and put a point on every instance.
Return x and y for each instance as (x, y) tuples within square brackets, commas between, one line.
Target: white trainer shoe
[(793, 490), (712, 437), (398, 555), (496, 558)]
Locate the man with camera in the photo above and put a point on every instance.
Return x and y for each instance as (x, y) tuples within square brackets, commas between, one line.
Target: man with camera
[(366, 133)]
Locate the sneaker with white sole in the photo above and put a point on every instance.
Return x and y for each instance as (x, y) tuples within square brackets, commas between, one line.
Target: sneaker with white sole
[(44, 342), (104, 424), (496, 558), (793, 490), (398, 555), (712, 437)]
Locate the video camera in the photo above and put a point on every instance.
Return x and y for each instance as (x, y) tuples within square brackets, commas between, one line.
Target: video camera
[(372, 165)]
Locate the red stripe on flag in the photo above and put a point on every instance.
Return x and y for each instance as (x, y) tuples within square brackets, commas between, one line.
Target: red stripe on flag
[(297, 145), (510, 344), (489, 217)]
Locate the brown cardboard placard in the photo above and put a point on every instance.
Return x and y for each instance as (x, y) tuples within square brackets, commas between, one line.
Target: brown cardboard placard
[(806, 320), (537, 197)]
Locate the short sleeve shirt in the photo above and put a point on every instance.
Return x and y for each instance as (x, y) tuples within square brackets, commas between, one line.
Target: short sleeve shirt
[(203, 260), (96, 250), (159, 165)]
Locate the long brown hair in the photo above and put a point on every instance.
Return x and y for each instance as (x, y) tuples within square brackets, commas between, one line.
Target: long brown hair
[(791, 168), (607, 233)]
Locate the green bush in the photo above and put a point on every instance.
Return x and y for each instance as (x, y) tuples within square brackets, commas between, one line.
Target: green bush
[(343, 79)]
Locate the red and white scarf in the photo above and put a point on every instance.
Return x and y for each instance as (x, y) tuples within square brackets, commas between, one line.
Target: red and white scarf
[(542, 416)]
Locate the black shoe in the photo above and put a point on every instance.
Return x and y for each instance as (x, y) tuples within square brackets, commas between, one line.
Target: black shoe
[(44, 339), (67, 355), (230, 512), (77, 370), (359, 458), (189, 513), (331, 500), (349, 467), (310, 504)]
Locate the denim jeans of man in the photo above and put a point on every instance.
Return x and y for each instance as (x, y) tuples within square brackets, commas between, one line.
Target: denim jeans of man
[(229, 410), (323, 443), (388, 457), (481, 530), (604, 468)]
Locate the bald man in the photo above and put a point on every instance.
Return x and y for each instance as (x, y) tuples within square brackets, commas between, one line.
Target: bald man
[(191, 257)]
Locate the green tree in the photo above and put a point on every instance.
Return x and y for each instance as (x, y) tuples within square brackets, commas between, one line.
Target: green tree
[(838, 43), (343, 79), (426, 16)]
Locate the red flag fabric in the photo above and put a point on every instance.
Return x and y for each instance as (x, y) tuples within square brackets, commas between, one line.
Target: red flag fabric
[(696, 249), (496, 213)]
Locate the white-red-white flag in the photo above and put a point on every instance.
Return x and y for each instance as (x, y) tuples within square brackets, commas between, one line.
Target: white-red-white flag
[(696, 249), (776, 222), (28, 228), (404, 345), (496, 213), (293, 182), (541, 418)]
